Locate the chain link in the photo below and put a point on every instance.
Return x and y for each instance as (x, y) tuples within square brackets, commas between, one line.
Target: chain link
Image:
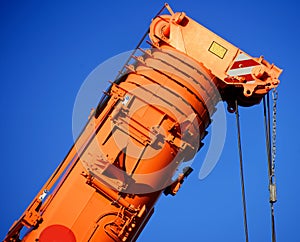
[(274, 126)]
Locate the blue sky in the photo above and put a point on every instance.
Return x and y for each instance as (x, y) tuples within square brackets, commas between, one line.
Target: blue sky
[(47, 49)]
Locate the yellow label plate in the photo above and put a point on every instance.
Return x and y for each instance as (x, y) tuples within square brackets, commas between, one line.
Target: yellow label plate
[(217, 49)]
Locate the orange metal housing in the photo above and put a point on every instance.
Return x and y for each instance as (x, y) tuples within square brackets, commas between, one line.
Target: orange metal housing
[(152, 119)]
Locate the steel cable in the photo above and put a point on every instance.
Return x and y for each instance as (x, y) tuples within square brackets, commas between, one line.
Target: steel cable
[(241, 171)]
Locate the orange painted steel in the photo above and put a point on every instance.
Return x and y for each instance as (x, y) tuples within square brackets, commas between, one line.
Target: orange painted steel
[(152, 119)]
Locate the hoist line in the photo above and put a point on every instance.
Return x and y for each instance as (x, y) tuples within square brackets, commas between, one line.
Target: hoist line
[(241, 170), (266, 106), (273, 222)]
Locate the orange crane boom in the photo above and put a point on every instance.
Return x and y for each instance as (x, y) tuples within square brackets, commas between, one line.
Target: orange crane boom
[(150, 121)]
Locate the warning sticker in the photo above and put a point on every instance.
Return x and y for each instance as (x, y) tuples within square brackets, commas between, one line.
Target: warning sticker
[(217, 49)]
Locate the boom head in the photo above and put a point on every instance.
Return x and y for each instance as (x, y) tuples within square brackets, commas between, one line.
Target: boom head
[(241, 77)]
